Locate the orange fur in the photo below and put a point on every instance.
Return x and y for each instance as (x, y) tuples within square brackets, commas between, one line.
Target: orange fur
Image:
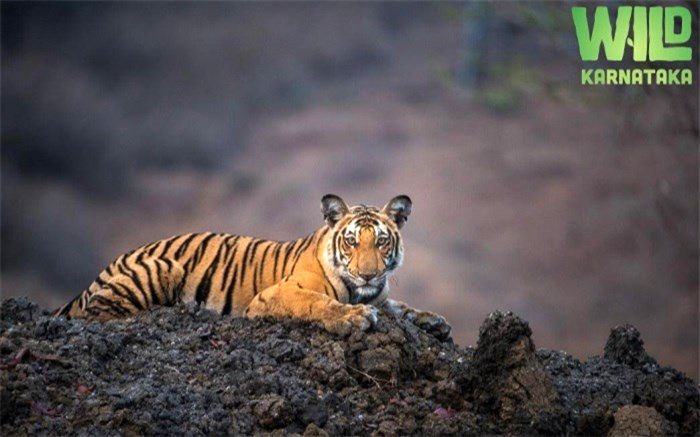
[(334, 276)]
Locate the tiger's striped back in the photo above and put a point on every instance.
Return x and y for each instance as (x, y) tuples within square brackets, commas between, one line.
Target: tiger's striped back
[(321, 277), (222, 271)]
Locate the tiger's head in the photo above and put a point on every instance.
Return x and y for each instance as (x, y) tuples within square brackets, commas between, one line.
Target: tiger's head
[(365, 244)]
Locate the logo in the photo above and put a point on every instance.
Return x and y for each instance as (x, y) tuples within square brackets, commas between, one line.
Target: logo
[(643, 34)]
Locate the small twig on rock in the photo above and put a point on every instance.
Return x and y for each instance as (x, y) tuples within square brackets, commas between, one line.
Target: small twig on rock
[(370, 377), (16, 360), (25, 352), (49, 357)]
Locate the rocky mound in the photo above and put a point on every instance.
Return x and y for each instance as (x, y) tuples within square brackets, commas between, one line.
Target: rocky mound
[(186, 370)]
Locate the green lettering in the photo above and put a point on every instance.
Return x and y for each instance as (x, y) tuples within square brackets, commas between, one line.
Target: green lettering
[(636, 76), (661, 76), (589, 42), (599, 77), (657, 50), (648, 72), (686, 76), (639, 52), (670, 35), (624, 77), (586, 76), (673, 77)]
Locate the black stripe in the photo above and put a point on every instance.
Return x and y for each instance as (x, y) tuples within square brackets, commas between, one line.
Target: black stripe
[(335, 248), (288, 250), (166, 245), (369, 221), (126, 293), (205, 283), (129, 253), (335, 292), (120, 269), (304, 244), (110, 304), (136, 279), (276, 256), (161, 282), (64, 310), (243, 266), (318, 248), (247, 253), (203, 246), (94, 311), (261, 266), (154, 295), (250, 261), (229, 264), (67, 307), (177, 290), (170, 265), (254, 250), (323, 233), (229, 293), (300, 252), (129, 272), (231, 239), (192, 261), (241, 276), (397, 240), (185, 245), (151, 248), (197, 256)]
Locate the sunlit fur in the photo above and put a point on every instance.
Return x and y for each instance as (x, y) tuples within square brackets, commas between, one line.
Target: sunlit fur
[(319, 277)]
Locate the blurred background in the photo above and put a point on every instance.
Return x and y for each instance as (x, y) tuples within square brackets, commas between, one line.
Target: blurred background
[(575, 207)]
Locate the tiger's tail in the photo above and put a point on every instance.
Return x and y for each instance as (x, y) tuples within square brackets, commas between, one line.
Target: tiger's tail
[(74, 308)]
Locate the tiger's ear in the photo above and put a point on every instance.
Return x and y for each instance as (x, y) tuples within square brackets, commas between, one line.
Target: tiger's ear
[(333, 209), (398, 209)]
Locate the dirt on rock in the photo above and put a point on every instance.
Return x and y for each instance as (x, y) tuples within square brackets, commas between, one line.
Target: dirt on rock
[(639, 421), (186, 370)]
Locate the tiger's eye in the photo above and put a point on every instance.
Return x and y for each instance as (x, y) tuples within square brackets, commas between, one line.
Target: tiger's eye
[(381, 241), (350, 239)]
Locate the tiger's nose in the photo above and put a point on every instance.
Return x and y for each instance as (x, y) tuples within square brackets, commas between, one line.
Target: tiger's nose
[(367, 276)]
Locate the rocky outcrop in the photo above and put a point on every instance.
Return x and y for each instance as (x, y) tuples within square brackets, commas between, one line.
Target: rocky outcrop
[(508, 381), (635, 420), (188, 370)]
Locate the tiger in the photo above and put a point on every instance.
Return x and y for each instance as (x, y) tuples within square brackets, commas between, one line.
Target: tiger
[(336, 276)]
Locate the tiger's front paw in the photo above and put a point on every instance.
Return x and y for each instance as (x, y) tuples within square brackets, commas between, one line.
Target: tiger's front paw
[(433, 324), (355, 318)]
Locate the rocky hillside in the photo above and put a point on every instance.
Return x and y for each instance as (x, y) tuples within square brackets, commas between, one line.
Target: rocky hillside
[(189, 371)]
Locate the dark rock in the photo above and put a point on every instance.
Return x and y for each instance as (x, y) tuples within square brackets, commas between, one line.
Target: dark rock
[(273, 411), (185, 370), (507, 379), (314, 431), (625, 346), (19, 310)]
